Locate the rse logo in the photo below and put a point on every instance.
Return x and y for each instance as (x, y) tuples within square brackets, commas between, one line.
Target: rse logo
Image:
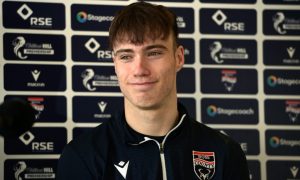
[(33, 15), (220, 18), (25, 12), (41, 21), (28, 138), (91, 49), (92, 45), (39, 140), (42, 146), (227, 21)]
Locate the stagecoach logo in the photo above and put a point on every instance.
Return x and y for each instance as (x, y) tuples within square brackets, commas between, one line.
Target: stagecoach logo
[(37, 104), (292, 109), (213, 110), (276, 141), (91, 80), (83, 17), (274, 81), (204, 164), (229, 79), (281, 24), (218, 53)]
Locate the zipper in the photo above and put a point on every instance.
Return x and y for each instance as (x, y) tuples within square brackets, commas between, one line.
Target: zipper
[(161, 147), (161, 153), (163, 161)]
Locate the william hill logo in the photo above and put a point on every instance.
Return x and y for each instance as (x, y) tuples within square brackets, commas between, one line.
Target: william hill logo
[(274, 81)]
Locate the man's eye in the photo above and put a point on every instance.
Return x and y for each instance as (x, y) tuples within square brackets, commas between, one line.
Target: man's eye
[(125, 57), (154, 53)]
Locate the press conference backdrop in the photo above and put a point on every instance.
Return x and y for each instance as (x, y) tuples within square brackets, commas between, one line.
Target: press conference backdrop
[(241, 76)]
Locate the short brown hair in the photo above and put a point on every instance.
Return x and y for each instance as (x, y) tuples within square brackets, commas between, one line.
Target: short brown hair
[(141, 20)]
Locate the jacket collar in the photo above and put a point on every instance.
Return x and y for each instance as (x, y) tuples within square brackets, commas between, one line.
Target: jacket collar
[(130, 136)]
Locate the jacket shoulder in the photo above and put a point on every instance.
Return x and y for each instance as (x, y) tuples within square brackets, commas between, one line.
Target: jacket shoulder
[(92, 141), (212, 135), (83, 154)]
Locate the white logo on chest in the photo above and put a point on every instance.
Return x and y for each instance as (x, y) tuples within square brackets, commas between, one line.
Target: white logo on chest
[(122, 168)]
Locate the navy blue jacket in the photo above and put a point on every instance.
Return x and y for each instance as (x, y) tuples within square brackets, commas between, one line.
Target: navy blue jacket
[(190, 151)]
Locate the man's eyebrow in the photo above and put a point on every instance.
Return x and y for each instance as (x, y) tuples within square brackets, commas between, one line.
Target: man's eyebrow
[(158, 46), (123, 50)]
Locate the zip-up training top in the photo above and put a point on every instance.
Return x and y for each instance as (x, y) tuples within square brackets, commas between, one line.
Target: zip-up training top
[(190, 151)]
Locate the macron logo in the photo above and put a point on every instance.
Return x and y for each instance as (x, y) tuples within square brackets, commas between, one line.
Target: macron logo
[(122, 168), (36, 74), (102, 105)]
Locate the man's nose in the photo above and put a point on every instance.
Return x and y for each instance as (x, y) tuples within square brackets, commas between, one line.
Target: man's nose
[(141, 66)]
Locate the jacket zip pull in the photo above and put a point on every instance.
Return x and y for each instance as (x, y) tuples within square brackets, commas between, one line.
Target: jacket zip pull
[(161, 148), (163, 161)]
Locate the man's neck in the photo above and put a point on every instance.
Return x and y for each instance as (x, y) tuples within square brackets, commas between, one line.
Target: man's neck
[(153, 122)]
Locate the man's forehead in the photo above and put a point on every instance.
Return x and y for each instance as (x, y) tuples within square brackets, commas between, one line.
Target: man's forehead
[(128, 44)]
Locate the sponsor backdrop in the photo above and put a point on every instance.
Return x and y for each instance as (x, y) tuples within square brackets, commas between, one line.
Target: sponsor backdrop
[(241, 76)]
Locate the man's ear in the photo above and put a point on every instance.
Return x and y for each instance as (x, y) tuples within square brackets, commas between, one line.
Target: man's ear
[(179, 55)]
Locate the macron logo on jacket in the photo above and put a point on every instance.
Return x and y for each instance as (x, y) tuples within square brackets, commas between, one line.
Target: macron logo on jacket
[(122, 168)]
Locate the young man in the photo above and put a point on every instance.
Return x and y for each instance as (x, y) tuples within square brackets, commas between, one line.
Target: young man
[(154, 137)]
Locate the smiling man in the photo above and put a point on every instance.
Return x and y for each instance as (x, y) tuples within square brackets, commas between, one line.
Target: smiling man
[(153, 138), (147, 78)]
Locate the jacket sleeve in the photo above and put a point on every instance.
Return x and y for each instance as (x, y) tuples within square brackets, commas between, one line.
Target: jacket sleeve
[(71, 166), (236, 167)]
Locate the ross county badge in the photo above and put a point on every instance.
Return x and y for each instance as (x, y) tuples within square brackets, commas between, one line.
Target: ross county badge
[(204, 164)]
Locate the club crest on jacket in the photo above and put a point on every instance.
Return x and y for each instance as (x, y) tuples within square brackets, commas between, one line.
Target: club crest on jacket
[(204, 164)]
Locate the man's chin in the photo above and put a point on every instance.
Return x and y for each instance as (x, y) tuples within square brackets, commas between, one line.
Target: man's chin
[(147, 105)]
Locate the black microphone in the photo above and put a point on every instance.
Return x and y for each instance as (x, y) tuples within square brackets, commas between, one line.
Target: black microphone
[(16, 117)]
